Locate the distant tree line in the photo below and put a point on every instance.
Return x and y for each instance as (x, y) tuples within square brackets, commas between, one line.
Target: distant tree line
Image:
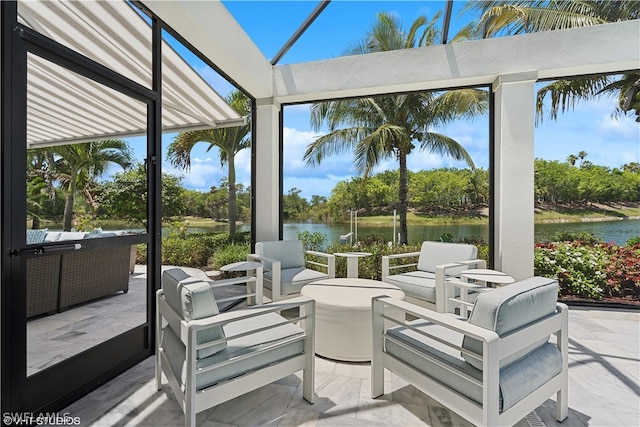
[(448, 189), (558, 182), (123, 196)]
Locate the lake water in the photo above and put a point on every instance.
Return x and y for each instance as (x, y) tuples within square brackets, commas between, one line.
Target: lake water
[(618, 231)]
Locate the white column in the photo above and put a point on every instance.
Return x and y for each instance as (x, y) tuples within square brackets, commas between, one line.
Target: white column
[(514, 122), (267, 191)]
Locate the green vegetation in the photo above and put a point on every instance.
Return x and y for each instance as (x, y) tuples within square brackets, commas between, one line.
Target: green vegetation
[(588, 268), (124, 197), (563, 191)]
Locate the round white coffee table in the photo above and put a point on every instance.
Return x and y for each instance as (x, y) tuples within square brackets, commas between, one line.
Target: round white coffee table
[(343, 315)]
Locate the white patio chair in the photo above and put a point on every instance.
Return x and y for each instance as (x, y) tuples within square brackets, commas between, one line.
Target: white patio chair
[(285, 267), (210, 357), (436, 262), (493, 369)]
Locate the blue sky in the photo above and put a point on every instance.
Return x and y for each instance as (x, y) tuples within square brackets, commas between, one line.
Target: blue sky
[(589, 127)]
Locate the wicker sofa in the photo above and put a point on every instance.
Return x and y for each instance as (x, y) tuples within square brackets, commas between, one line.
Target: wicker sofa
[(56, 282)]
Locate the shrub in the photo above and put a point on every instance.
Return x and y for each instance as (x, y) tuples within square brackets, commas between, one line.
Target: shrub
[(582, 236), (191, 250), (228, 255), (633, 241), (312, 241), (579, 269), (623, 273)]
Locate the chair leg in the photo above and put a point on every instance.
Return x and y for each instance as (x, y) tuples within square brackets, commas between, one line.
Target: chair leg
[(562, 407), (377, 367), (308, 389)]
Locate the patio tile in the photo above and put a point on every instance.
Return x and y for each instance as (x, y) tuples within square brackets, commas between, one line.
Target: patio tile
[(603, 391), (265, 406)]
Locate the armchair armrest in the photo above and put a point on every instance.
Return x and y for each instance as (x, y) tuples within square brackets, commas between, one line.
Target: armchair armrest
[(386, 262), (272, 265), (442, 291), (257, 292), (186, 328), (330, 265)]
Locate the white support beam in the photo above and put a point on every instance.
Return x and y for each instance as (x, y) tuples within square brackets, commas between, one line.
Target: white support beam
[(211, 29), (514, 174), (597, 49), (267, 172)]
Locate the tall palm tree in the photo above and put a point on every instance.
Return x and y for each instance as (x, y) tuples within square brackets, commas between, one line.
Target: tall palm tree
[(229, 141), (526, 16), (77, 165), (391, 126)]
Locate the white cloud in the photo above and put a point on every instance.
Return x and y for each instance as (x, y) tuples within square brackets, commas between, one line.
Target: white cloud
[(629, 157), (623, 127), (310, 186), (204, 174)]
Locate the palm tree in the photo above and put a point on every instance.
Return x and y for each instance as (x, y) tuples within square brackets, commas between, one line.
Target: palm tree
[(581, 156), (229, 141), (572, 159), (77, 165), (383, 127), (526, 16)]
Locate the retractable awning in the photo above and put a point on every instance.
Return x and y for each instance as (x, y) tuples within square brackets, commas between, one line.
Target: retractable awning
[(63, 107)]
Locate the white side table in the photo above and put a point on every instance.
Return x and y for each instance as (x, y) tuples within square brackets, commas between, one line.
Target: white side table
[(471, 283), (251, 281), (490, 278), (352, 262)]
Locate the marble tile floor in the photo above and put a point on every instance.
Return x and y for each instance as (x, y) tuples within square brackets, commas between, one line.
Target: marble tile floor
[(55, 337), (604, 390)]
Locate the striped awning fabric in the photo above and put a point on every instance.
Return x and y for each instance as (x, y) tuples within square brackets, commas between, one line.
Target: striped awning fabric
[(64, 107)]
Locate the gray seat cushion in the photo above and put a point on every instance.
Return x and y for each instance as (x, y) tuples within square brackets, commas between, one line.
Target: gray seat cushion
[(516, 380), (293, 279), (510, 308), (244, 346), (417, 284), (193, 299)]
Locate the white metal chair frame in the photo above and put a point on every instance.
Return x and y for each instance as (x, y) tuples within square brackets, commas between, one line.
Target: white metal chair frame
[(273, 265), (443, 302), (194, 401), (495, 349)]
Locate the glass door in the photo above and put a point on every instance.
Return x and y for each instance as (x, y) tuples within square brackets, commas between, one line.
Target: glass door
[(81, 267)]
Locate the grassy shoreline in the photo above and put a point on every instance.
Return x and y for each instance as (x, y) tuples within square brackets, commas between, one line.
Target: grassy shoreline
[(542, 215)]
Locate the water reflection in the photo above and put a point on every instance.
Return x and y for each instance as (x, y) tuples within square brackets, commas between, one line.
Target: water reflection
[(618, 231)]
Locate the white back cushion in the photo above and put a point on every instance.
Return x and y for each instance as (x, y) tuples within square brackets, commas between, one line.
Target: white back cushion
[(290, 253), (436, 253), (193, 299)]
